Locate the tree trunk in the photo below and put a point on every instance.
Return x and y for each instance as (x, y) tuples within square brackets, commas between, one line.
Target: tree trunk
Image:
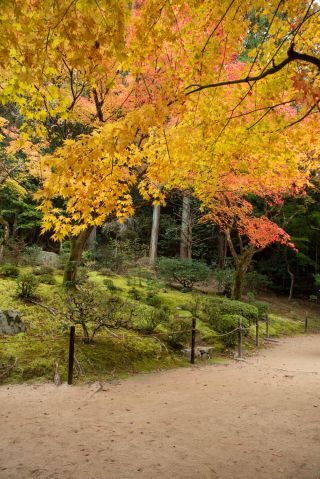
[(238, 282), (242, 262), (186, 229), (92, 239), (222, 250), (154, 235), (291, 276), (6, 235), (78, 244), (291, 285), (242, 266), (14, 227)]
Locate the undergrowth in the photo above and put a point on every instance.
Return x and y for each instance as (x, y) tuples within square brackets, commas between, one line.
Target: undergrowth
[(34, 355)]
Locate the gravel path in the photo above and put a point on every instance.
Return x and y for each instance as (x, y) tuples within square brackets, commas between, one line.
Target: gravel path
[(250, 420)]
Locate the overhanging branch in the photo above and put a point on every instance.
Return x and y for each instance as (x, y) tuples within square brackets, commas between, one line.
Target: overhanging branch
[(292, 56)]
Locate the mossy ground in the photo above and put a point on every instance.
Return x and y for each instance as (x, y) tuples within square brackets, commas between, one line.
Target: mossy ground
[(36, 352)]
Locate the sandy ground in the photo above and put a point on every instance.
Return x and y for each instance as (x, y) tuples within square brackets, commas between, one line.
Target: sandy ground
[(258, 419)]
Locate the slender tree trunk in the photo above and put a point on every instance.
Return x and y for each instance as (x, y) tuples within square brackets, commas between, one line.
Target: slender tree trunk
[(222, 250), (14, 227), (291, 285), (92, 239), (291, 277), (186, 229), (154, 235), (6, 235), (78, 244)]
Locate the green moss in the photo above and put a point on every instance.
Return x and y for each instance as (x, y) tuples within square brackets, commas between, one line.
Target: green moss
[(279, 325), (108, 356)]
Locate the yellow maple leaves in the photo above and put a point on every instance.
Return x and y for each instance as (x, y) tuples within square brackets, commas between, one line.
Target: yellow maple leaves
[(59, 61)]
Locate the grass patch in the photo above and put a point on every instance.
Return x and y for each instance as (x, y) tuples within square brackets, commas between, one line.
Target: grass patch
[(111, 356)]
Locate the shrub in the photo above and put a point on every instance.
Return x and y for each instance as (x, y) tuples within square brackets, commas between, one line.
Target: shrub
[(9, 271), (135, 294), (263, 308), (13, 251), (31, 254), (89, 307), (226, 324), (134, 281), (179, 331), (27, 285), (47, 279), (225, 279), (185, 272), (110, 284), (82, 276), (43, 270), (214, 307), (255, 281), (148, 319), (106, 272), (153, 299)]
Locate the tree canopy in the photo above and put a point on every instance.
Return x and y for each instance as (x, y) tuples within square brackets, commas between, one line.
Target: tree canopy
[(217, 98)]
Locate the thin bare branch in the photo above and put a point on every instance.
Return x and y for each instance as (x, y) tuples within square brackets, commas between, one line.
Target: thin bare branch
[(217, 26)]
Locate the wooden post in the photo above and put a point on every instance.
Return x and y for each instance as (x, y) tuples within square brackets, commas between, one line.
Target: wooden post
[(71, 354), (240, 339), (257, 332), (267, 325), (306, 323), (193, 341)]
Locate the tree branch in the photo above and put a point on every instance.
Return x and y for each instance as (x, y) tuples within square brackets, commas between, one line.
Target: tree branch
[(292, 56)]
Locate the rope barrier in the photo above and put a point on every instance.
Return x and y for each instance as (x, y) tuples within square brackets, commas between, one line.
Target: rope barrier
[(9, 340), (226, 334), (29, 340)]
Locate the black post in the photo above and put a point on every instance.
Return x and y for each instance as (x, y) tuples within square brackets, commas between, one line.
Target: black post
[(71, 354), (267, 325), (257, 332), (306, 323), (240, 339), (193, 341)]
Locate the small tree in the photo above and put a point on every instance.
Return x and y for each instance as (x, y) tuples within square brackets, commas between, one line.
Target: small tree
[(27, 285), (185, 272), (93, 310)]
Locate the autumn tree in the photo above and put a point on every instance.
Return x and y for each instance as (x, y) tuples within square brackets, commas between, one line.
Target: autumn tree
[(123, 68), (78, 75)]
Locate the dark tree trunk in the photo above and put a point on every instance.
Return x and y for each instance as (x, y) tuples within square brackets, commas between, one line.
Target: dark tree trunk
[(186, 229), (78, 244), (242, 266), (6, 235), (154, 235), (242, 262), (222, 250), (291, 276), (14, 228)]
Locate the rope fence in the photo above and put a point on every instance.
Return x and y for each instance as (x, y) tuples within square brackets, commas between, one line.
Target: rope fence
[(239, 330)]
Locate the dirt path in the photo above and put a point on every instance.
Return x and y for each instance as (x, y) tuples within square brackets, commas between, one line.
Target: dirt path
[(259, 419)]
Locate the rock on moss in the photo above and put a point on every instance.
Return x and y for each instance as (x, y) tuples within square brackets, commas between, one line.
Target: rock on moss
[(11, 322)]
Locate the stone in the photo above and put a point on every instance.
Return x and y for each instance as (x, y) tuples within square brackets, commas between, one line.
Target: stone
[(187, 353), (206, 352), (11, 322), (202, 352), (47, 258)]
